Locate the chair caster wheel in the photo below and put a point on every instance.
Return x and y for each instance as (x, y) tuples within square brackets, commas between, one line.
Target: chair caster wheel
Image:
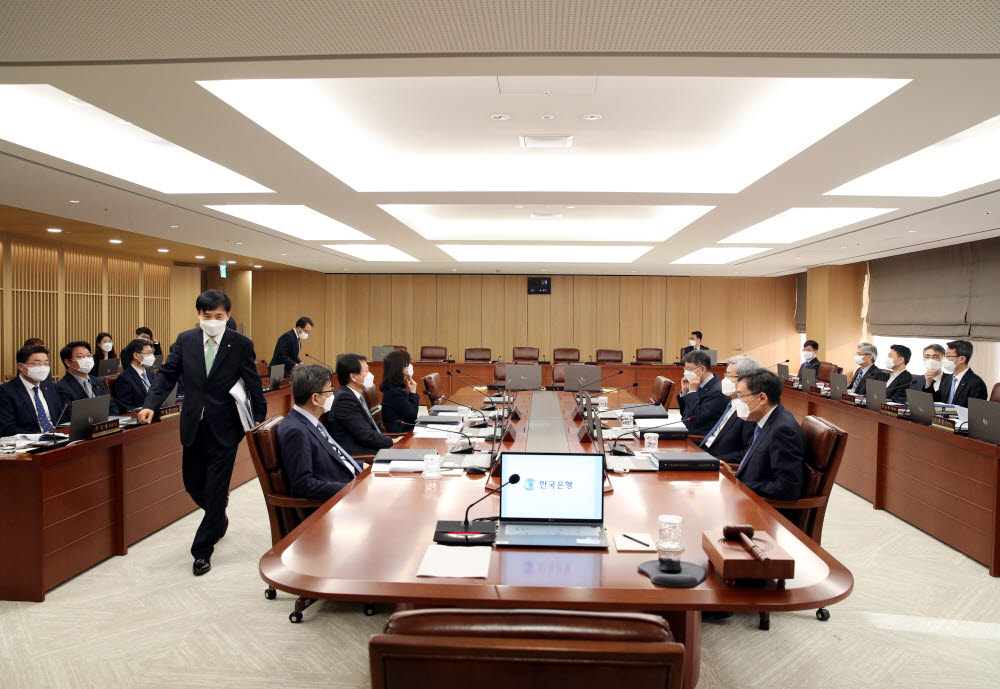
[(270, 594), (822, 614), (369, 609), (295, 617)]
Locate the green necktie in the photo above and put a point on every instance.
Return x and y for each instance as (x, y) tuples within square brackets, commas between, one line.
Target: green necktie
[(209, 355)]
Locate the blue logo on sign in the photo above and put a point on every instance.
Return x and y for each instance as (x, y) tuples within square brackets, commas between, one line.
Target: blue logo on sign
[(529, 484)]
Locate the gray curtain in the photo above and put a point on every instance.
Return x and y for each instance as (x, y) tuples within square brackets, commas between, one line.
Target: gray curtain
[(984, 297), (800, 302)]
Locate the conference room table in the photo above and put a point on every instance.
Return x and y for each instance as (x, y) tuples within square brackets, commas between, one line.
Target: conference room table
[(366, 544)]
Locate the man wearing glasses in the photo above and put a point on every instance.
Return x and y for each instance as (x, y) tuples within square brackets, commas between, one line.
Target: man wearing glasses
[(948, 377)]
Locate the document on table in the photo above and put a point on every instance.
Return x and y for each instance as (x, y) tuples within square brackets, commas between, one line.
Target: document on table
[(467, 562)]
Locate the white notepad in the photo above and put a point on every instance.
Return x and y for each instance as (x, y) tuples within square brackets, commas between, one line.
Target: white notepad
[(467, 562), (624, 545)]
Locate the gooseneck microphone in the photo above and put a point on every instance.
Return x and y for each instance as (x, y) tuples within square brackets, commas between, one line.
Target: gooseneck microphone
[(480, 380), (599, 380), (471, 533), (52, 435), (779, 362), (468, 448), (485, 422), (314, 359), (514, 478)]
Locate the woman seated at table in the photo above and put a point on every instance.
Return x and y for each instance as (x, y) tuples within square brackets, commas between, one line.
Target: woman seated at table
[(104, 347), (400, 401)]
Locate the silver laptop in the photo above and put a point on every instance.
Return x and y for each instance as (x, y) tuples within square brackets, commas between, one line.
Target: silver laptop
[(921, 406), (875, 394), (838, 385), (277, 375), (783, 371), (713, 354), (984, 420), (582, 378), (86, 412), (808, 379), (108, 367), (524, 377), (557, 503), (379, 352)]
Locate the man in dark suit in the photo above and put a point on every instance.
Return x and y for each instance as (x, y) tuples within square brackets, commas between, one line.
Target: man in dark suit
[(78, 384), (729, 438), (865, 359), (350, 422), (316, 466), (30, 403), (694, 344), (135, 380), (772, 466), (810, 357), (700, 399), (959, 383), (933, 375), (899, 378), (144, 333), (289, 345), (210, 360)]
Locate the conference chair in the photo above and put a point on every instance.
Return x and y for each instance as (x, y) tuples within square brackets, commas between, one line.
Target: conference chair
[(609, 356), (525, 355), (433, 389), (109, 383), (661, 389), (995, 394), (565, 355), (399, 347), (478, 355), (825, 369), (433, 353), (649, 355), (500, 373), (263, 370), (559, 375), (373, 398), (528, 649)]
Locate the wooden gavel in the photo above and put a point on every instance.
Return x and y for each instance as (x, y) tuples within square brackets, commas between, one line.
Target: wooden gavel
[(743, 534)]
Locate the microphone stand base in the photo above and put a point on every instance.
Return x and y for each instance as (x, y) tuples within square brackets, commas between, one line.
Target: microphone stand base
[(463, 449), (460, 533), (617, 449)]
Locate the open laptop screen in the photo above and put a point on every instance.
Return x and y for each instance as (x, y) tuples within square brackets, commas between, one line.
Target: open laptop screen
[(553, 487)]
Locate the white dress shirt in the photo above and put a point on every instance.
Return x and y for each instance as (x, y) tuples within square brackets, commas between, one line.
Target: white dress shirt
[(725, 419), (764, 418)]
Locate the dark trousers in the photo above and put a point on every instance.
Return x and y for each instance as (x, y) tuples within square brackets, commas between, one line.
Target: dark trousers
[(207, 469)]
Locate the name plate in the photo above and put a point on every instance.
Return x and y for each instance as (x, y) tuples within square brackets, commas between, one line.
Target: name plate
[(892, 410), (99, 430), (816, 390), (944, 424), (167, 412)]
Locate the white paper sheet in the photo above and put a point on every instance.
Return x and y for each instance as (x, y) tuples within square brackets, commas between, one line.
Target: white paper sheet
[(406, 465), (472, 562)]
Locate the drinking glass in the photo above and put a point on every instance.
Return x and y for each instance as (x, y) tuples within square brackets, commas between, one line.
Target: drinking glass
[(432, 466), (628, 419), (651, 442), (8, 445), (670, 540)]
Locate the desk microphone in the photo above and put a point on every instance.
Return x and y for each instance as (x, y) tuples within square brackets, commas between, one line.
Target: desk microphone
[(779, 362), (315, 359), (485, 422), (52, 435), (591, 382), (488, 385), (465, 533), (125, 409), (468, 448)]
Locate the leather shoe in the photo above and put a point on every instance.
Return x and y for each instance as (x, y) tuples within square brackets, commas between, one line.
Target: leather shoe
[(225, 528), (201, 566)]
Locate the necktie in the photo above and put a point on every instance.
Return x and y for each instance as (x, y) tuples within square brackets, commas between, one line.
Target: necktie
[(756, 432), (337, 450), (951, 393), (43, 416), (87, 387), (209, 355), (371, 418), (718, 424), (145, 380), (857, 379)]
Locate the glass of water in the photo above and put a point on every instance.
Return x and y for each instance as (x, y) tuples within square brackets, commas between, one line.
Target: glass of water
[(432, 466), (8, 445), (602, 404), (670, 534), (628, 419), (651, 442)]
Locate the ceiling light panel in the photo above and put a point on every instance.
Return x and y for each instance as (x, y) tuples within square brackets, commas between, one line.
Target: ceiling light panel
[(542, 253), (373, 252), (50, 121), (797, 224), (434, 133), (512, 223), (300, 222), (718, 255), (959, 162)]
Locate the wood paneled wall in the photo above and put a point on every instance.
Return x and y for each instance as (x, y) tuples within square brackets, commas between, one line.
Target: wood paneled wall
[(834, 304)]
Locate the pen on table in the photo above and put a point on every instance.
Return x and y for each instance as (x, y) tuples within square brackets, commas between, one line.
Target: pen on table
[(643, 544)]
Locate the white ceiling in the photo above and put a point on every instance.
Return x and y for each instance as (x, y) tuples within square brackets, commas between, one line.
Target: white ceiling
[(689, 149)]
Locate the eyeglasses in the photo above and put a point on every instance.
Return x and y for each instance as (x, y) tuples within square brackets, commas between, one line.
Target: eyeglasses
[(749, 394)]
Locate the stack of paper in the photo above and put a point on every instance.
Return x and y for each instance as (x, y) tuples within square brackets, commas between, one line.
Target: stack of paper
[(467, 562)]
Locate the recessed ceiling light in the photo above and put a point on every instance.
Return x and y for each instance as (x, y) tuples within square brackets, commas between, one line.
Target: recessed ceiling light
[(545, 216), (536, 253), (571, 207), (174, 227), (54, 230), (301, 222), (796, 224), (163, 251), (199, 257), (239, 243), (843, 247), (499, 117), (518, 206), (258, 266), (372, 252), (454, 270), (284, 254), (230, 262), (548, 117), (910, 231), (115, 241), (346, 269), (592, 117), (716, 255), (74, 201), (41, 117), (534, 141)]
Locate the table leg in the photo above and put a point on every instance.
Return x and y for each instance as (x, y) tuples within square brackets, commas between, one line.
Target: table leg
[(686, 628)]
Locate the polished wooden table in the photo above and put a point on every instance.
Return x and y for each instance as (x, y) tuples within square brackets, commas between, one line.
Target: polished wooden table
[(366, 544), (944, 484)]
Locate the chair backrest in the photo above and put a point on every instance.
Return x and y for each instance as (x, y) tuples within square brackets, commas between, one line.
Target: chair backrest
[(525, 354), (263, 370), (558, 374), (649, 355), (434, 388), (824, 444), (500, 372), (262, 442), (565, 355), (109, 383), (995, 394), (474, 354), (399, 347), (373, 398), (661, 389), (433, 353), (825, 369), (610, 356), (452, 648)]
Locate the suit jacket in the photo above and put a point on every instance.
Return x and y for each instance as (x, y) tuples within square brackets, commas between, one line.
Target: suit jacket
[(129, 388), (17, 407), (286, 351), (208, 393), (812, 363), (896, 391), (732, 440), (701, 408), (971, 385), (71, 389), (313, 469), (685, 351), (352, 426), (773, 466), (399, 405), (873, 372)]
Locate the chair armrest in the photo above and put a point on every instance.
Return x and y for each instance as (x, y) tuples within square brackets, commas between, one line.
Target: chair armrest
[(698, 439), (397, 435), (288, 501), (727, 468), (364, 458), (802, 504)]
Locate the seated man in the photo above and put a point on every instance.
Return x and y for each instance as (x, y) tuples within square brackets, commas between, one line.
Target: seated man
[(899, 378), (286, 350), (865, 359), (315, 465), (694, 343), (700, 399), (960, 383), (78, 384), (810, 357), (29, 403), (134, 381), (144, 333), (772, 466), (933, 375), (729, 438), (350, 422)]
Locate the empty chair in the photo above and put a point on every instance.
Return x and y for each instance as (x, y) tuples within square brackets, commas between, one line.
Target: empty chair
[(478, 355), (373, 398), (558, 375), (397, 347), (609, 356), (995, 394), (825, 369), (433, 353), (528, 649), (565, 355), (649, 355), (661, 389), (525, 355), (433, 389)]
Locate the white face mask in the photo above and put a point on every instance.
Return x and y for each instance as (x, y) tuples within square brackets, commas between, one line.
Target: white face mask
[(303, 336), (948, 366), (728, 386), (692, 343), (369, 380), (327, 402), (86, 364), (148, 360), (932, 364), (692, 376), (108, 346), (408, 370), (212, 328), (808, 356), (742, 409), (859, 360), (38, 373)]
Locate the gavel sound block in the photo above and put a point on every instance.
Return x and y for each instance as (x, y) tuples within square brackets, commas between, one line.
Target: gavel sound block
[(732, 560)]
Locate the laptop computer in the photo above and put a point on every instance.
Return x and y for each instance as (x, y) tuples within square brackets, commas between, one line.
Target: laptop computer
[(581, 378), (783, 371), (108, 367), (524, 377), (713, 354), (86, 412), (984, 420), (875, 394), (921, 406), (838, 385), (558, 502), (157, 362), (277, 375), (808, 379), (379, 352)]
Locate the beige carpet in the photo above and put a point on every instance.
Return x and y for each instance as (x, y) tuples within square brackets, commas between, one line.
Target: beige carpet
[(921, 615)]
